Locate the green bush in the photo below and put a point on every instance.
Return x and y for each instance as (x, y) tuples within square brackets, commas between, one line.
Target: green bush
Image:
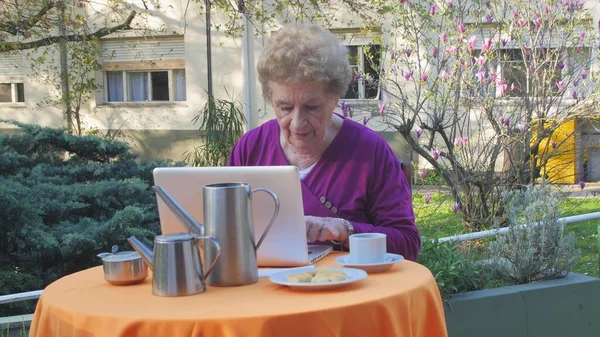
[(541, 249), (455, 268), (64, 199)]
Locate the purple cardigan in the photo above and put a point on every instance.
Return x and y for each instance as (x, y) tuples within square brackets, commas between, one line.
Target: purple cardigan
[(358, 178)]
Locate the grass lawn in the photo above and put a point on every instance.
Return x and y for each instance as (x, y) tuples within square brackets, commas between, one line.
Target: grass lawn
[(436, 220)]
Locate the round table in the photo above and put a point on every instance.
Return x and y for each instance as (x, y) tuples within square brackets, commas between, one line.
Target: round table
[(403, 301)]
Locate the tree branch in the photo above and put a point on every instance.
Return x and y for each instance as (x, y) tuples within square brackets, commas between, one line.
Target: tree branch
[(70, 38), (20, 27)]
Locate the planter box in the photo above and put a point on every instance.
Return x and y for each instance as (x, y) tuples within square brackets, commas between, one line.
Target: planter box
[(564, 307)]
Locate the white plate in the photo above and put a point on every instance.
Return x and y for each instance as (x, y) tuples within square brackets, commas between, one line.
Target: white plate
[(352, 275), (390, 259)]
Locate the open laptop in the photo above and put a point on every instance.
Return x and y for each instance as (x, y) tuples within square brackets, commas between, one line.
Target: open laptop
[(285, 245)]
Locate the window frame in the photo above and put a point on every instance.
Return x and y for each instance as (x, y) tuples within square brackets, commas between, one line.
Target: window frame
[(361, 44), (125, 81), (14, 92)]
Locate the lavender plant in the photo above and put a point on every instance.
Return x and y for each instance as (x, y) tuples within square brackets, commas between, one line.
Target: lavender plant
[(535, 245)]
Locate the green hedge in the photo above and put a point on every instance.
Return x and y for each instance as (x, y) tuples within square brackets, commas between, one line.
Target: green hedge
[(64, 199)]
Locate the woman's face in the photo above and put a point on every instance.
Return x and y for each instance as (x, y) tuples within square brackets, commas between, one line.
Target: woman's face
[(304, 112)]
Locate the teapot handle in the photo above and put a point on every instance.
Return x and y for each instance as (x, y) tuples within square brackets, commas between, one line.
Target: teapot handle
[(217, 246), (274, 196)]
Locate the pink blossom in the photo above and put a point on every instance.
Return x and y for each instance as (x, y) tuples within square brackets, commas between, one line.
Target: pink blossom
[(456, 207), (451, 50), (365, 120), (401, 1), (418, 133), (432, 9), (493, 76), (346, 109), (436, 51), (444, 75), (578, 49), (547, 10), (584, 74), (422, 174), (465, 141), (356, 77), (537, 23), (481, 60), (561, 65), (427, 197), (394, 69), (504, 41), (457, 141), (489, 18), (382, 107), (471, 42), (522, 127), (461, 27), (480, 76), (487, 44), (424, 77), (444, 37), (408, 75), (574, 94), (392, 54), (521, 23), (503, 88), (512, 87), (407, 52), (560, 85), (581, 36), (435, 153)]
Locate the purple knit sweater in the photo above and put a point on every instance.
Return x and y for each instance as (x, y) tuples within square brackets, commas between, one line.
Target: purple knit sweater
[(357, 178)]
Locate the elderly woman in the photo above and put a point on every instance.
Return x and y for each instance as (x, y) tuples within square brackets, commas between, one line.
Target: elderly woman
[(351, 180)]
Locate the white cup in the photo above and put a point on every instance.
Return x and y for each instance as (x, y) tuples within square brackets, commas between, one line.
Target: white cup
[(367, 248)]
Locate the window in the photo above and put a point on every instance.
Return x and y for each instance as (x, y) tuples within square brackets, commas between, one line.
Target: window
[(518, 68), (519, 73), (149, 69), (12, 89), (145, 86), (12, 93), (365, 61)]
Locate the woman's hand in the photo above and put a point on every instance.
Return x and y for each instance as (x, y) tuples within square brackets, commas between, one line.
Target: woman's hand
[(325, 229)]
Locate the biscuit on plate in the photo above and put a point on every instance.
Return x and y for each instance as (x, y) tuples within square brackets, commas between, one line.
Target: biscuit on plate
[(302, 277), (328, 275)]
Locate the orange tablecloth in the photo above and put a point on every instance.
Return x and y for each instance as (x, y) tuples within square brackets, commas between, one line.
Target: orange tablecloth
[(404, 301)]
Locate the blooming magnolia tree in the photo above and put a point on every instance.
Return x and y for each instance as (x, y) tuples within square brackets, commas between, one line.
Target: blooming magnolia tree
[(480, 90)]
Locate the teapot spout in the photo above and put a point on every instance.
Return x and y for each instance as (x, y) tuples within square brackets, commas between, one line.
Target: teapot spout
[(186, 218), (143, 250)]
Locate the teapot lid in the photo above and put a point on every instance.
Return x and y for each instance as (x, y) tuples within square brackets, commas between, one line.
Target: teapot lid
[(120, 256), (173, 238)]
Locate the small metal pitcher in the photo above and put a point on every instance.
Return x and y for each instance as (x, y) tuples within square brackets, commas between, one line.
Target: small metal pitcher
[(175, 263), (228, 218)]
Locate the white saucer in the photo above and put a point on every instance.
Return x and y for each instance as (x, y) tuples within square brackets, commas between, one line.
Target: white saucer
[(390, 259), (352, 275)]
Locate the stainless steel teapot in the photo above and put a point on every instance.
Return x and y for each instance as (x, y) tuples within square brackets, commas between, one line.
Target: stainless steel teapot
[(176, 263)]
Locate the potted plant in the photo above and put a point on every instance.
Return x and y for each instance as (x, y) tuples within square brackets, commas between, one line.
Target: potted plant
[(526, 287)]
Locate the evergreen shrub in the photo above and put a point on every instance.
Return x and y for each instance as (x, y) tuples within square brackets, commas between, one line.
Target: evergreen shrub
[(63, 199)]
